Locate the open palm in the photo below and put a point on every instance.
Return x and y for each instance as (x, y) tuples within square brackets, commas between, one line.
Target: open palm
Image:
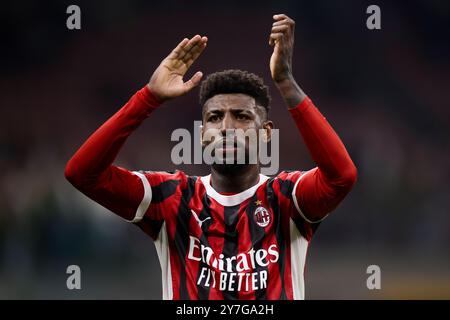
[(167, 80)]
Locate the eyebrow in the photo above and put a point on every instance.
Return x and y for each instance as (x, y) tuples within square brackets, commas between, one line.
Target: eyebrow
[(235, 110)]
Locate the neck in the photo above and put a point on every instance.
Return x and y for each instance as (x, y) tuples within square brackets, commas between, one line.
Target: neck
[(237, 181)]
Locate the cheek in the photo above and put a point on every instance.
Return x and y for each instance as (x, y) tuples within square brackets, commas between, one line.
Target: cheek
[(252, 125), (209, 134), (249, 125)]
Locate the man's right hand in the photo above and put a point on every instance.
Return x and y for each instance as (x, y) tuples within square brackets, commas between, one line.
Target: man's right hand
[(167, 80)]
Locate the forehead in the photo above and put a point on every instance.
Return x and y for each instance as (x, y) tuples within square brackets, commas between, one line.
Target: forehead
[(225, 101)]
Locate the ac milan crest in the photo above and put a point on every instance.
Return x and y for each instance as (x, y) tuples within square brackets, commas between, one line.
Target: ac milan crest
[(262, 217)]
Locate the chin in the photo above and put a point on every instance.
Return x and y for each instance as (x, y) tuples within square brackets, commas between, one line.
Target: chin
[(230, 169)]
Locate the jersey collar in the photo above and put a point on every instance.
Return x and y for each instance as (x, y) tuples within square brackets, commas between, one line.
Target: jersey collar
[(232, 200)]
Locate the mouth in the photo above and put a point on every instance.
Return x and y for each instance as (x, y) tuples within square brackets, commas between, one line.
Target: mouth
[(228, 145), (227, 149)]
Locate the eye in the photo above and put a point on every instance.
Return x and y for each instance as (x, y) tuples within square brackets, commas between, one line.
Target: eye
[(213, 118), (242, 116)]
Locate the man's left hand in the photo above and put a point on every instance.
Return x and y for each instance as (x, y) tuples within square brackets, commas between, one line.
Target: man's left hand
[(282, 38)]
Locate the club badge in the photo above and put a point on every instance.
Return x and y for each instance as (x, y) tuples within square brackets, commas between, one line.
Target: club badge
[(262, 217)]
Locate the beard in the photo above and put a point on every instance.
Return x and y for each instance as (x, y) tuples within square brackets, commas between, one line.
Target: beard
[(232, 150), (240, 163), (230, 169), (231, 154)]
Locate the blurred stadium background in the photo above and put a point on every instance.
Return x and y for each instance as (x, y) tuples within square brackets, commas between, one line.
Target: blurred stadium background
[(385, 92)]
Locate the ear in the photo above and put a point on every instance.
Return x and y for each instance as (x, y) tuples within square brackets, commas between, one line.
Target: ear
[(267, 133)]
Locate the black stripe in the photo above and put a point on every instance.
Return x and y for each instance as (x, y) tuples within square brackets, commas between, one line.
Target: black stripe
[(278, 219), (257, 235), (286, 187), (164, 190), (182, 233), (230, 246), (150, 226), (305, 228), (203, 291)]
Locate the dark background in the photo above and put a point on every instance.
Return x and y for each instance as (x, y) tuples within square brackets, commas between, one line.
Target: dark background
[(384, 91)]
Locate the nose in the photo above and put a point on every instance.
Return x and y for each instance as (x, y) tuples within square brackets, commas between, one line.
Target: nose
[(227, 124)]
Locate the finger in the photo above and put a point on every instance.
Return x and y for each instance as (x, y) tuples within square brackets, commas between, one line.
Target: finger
[(192, 42), (283, 19), (289, 23), (280, 16), (178, 49), (198, 47), (191, 56), (275, 37), (284, 29), (194, 81), (280, 22), (194, 54), (192, 45), (281, 29)]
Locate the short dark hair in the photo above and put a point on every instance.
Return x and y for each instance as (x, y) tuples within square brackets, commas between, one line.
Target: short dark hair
[(235, 81)]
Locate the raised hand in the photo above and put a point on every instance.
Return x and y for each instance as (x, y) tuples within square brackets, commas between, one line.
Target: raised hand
[(282, 38), (167, 80)]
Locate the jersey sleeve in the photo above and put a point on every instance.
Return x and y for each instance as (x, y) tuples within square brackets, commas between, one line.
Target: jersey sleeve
[(161, 199), (91, 169), (285, 187), (307, 194), (315, 193)]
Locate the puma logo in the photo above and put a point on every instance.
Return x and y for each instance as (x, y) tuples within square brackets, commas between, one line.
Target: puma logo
[(200, 222)]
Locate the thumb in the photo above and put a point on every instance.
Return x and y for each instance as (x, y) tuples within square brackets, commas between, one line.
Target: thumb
[(194, 81)]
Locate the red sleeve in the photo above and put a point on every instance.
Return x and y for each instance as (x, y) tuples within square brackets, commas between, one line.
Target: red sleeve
[(161, 202), (320, 190), (90, 170)]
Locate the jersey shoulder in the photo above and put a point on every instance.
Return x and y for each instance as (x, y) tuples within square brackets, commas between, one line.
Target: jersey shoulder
[(289, 175), (167, 183), (168, 177), (285, 181)]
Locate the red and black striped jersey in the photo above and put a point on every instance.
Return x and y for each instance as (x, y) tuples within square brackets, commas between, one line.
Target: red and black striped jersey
[(249, 245)]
